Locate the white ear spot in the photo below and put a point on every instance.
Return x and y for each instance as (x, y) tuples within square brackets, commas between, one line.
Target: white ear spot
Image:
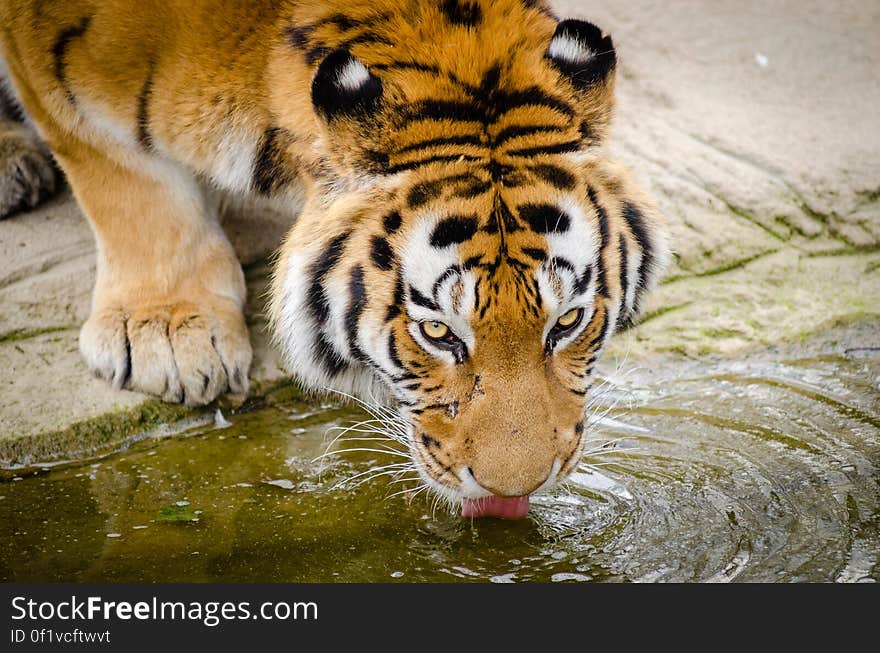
[(352, 76), (567, 48)]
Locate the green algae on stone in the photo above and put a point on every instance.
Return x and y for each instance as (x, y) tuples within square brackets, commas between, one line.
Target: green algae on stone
[(106, 433), (24, 334), (178, 511)]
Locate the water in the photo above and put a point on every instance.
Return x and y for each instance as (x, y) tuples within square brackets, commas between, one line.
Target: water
[(760, 469)]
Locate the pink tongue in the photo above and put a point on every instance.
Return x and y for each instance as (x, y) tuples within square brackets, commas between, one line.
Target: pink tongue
[(504, 507)]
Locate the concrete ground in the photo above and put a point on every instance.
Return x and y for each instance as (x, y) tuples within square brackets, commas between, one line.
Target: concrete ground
[(753, 123)]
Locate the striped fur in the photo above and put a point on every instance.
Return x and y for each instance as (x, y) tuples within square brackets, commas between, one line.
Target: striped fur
[(454, 165)]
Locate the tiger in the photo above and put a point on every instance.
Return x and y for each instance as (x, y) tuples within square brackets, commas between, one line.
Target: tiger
[(464, 247)]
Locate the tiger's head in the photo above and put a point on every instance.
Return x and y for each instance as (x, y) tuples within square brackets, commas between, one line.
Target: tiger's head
[(471, 249)]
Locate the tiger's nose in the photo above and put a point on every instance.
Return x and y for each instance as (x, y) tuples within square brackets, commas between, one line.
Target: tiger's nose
[(515, 485)]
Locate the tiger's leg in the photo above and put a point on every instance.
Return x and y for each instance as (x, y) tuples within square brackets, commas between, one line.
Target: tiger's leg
[(167, 307), (27, 174)]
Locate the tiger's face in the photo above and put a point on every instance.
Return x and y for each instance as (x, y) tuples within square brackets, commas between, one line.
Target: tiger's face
[(472, 253), (499, 330)]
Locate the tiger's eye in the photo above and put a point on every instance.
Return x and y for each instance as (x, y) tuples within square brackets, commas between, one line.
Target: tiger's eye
[(569, 318), (435, 330)]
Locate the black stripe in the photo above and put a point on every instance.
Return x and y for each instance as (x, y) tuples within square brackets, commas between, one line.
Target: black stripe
[(328, 357), (502, 218), (489, 83), (317, 53), (475, 188), (622, 316), (407, 65), (533, 96), (601, 283), (394, 309), (366, 37), (59, 52), (392, 351), (583, 281), (501, 172), (559, 148), (447, 110), (145, 138), (380, 252), (545, 218), (600, 337), (468, 139), (340, 21), (636, 224), (358, 292), (521, 130), (453, 230), (345, 23), (485, 306), (462, 12), (484, 112), (536, 292), (536, 254), (422, 193), (378, 159), (420, 300), (316, 298), (391, 222), (427, 440), (560, 263), (411, 165), (270, 172), (298, 36), (586, 131), (555, 176)]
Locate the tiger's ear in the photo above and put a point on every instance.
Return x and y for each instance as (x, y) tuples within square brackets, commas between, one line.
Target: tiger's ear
[(586, 58), (582, 52), (343, 87)]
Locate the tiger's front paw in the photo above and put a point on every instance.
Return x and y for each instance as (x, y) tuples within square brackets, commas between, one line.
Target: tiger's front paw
[(27, 174), (183, 353)]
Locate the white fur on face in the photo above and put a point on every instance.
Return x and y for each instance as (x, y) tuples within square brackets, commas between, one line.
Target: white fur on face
[(469, 487), (422, 265), (579, 246), (297, 336), (570, 49)]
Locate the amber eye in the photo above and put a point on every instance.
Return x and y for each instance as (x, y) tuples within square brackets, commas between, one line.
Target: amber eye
[(569, 319), (564, 325), (441, 336), (435, 330)]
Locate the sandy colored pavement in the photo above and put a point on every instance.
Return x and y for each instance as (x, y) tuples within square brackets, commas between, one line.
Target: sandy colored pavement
[(755, 124)]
